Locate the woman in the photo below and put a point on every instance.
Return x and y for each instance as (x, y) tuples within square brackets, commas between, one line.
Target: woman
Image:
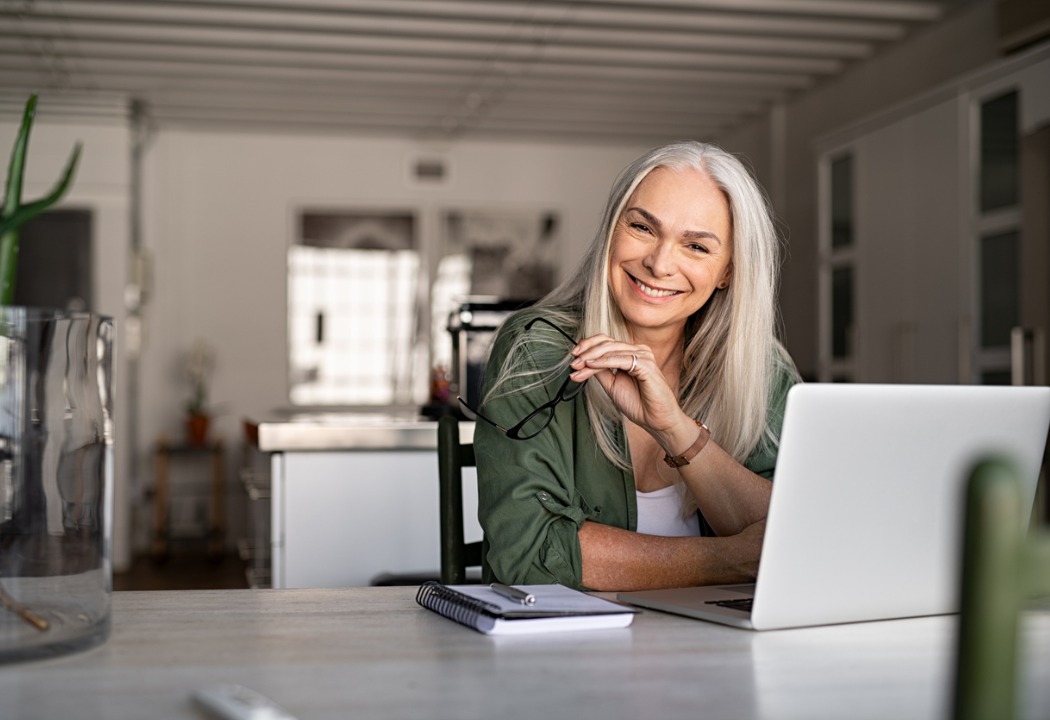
[(595, 462)]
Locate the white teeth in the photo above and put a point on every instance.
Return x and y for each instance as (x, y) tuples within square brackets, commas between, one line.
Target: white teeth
[(653, 292)]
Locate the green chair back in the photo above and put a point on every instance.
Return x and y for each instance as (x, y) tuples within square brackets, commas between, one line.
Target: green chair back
[(1003, 567)]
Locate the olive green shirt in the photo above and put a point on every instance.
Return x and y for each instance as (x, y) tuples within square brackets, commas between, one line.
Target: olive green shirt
[(533, 495)]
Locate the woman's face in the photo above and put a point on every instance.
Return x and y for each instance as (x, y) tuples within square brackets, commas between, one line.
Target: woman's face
[(671, 248)]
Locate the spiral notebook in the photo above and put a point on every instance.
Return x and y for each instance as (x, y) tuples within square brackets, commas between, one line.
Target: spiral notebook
[(556, 608)]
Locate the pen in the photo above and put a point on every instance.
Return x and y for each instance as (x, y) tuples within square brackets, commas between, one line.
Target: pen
[(513, 593)]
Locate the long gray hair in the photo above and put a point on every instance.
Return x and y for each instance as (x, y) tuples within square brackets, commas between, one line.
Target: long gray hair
[(731, 351)]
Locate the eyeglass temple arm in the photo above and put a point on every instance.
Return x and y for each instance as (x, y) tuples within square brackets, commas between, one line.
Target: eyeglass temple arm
[(545, 321), (477, 414)]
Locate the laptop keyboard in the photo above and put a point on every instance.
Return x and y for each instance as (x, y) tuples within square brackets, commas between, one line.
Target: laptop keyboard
[(743, 604)]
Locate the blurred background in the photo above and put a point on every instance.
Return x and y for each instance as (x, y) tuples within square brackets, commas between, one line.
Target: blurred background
[(283, 204)]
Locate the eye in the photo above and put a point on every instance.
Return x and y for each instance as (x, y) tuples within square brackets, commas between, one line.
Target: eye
[(697, 248), (640, 227)]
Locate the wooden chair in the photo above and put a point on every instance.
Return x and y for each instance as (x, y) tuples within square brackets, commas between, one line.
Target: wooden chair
[(453, 456), (1003, 567)]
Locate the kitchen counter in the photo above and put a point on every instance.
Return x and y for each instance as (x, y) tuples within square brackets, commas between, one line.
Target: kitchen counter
[(347, 497), (346, 431)]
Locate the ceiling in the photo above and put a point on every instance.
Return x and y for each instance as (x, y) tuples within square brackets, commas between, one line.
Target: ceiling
[(583, 70)]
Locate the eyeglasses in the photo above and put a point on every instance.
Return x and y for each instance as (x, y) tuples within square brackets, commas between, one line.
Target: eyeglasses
[(537, 421)]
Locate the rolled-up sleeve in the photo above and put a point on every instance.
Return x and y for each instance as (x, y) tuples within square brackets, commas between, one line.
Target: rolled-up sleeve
[(528, 503)]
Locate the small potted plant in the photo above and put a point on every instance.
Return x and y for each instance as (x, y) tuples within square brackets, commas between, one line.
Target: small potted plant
[(199, 366)]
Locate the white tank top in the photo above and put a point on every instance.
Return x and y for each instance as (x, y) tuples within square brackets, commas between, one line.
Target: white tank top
[(660, 513)]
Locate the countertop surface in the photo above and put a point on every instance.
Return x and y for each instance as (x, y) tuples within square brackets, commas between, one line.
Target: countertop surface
[(286, 431), (374, 653)]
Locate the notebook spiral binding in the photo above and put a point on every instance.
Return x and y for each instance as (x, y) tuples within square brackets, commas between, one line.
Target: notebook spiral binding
[(455, 606)]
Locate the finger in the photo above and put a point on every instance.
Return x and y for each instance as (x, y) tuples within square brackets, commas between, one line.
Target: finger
[(584, 368), (599, 346), (590, 343), (592, 350), (585, 372), (614, 362)]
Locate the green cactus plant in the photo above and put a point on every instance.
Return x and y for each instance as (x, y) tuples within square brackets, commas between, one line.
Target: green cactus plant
[(14, 213)]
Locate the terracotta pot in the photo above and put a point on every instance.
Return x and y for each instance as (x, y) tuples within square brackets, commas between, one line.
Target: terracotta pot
[(197, 429)]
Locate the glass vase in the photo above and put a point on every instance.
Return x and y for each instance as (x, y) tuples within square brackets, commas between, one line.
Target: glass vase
[(56, 481)]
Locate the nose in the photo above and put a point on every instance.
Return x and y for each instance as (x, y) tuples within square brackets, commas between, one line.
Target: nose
[(660, 260)]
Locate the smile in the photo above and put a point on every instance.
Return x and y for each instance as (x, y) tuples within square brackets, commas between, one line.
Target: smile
[(651, 291)]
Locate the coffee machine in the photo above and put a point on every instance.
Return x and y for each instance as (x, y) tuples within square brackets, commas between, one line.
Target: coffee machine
[(473, 326)]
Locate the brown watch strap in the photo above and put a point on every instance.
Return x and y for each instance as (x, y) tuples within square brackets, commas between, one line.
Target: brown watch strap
[(692, 451)]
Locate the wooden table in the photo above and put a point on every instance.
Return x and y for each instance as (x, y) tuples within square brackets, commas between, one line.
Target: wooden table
[(373, 653), (163, 455)]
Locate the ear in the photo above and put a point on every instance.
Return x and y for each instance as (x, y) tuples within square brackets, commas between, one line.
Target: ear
[(727, 277)]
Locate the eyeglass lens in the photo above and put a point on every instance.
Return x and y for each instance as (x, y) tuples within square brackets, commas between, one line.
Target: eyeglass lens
[(541, 417)]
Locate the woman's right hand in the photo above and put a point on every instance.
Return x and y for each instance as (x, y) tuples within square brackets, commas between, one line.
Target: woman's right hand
[(637, 386), (631, 378)]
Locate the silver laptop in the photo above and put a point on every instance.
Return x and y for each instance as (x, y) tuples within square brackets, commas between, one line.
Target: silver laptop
[(865, 519)]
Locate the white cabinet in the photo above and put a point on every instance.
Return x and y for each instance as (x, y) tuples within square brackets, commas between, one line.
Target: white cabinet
[(910, 243), (925, 271), (340, 518)]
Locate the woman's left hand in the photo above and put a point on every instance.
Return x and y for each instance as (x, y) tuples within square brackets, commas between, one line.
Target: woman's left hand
[(630, 376)]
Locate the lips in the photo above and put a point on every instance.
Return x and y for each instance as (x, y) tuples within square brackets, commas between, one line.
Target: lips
[(650, 291)]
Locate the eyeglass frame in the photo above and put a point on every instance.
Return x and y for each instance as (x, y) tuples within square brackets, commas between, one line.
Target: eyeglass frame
[(514, 431)]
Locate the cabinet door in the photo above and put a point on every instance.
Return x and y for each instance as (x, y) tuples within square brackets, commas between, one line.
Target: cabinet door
[(910, 286), (342, 518)]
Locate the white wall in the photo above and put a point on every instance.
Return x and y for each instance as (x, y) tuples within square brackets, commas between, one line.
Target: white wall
[(219, 213)]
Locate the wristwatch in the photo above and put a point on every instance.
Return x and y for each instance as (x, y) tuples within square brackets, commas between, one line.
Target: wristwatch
[(692, 451)]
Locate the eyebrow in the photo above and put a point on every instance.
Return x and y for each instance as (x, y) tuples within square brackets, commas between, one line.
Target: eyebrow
[(691, 234)]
